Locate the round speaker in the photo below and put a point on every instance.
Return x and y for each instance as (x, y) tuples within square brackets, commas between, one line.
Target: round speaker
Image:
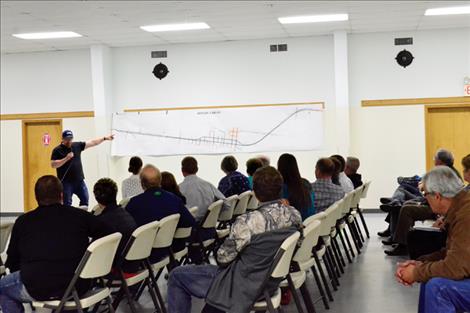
[(404, 58), (160, 71)]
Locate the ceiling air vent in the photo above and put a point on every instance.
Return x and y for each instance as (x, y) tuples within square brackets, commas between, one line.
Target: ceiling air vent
[(278, 48), (158, 54), (403, 41)]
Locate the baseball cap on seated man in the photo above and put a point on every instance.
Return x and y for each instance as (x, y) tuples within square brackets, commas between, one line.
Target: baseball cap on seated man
[(67, 135)]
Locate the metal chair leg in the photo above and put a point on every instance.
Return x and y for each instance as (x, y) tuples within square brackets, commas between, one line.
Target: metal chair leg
[(355, 239), (346, 251), (359, 231), (331, 270), (307, 298), (320, 288), (322, 275), (337, 259), (340, 254), (366, 229), (346, 237), (298, 304)]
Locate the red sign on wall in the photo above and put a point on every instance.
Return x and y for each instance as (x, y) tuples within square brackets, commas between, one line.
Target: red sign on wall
[(46, 139)]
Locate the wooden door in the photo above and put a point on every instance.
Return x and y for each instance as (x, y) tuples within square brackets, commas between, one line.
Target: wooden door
[(447, 127), (39, 139)]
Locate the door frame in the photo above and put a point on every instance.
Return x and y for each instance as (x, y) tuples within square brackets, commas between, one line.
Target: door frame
[(427, 109), (24, 124)]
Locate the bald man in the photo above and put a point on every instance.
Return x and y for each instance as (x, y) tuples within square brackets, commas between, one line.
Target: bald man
[(155, 204)]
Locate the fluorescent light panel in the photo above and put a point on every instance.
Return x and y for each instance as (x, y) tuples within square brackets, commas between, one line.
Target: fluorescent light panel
[(448, 11), (47, 35), (313, 18), (174, 27)]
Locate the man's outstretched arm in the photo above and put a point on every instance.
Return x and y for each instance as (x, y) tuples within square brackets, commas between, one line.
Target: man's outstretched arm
[(97, 141)]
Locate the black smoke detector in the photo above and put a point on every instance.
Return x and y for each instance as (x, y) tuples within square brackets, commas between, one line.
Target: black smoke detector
[(160, 71), (404, 58)]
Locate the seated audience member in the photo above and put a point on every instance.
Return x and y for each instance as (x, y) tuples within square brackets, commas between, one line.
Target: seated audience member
[(197, 191), (344, 180), (445, 157), (335, 176), (169, 184), (234, 183), (326, 193), (444, 275), (115, 217), (251, 166), (352, 165), (236, 255), (295, 188), (46, 245), (264, 159), (131, 186), (155, 204), (466, 171)]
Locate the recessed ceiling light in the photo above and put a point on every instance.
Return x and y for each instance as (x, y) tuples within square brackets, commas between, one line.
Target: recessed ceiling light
[(47, 35), (448, 11), (174, 27), (313, 18)]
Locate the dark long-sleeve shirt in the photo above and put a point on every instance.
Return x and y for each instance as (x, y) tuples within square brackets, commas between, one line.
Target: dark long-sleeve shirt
[(234, 183), (155, 204), (46, 246)]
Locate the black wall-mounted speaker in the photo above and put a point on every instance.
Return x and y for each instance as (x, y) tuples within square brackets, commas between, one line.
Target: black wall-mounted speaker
[(160, 71), (404, 58)]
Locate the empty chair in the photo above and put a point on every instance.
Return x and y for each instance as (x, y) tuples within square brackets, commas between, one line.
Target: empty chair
[(242, 204), (280, 269), (253, 202), (5, 231), (95, 264), (302, 262)]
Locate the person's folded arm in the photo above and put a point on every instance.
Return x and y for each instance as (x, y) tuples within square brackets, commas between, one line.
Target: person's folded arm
[(240, 236), (434, 256)]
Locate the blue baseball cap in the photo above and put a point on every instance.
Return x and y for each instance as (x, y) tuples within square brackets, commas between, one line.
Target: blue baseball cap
[(67, 134)]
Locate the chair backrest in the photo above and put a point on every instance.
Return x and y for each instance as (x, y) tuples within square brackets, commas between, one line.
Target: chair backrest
[(123, 203), (142, 241), (287, 248), (5, 231), (212, 215), (242, 203), (99, 257), (356, 197), (347, 202), (193, 210), (183, 232), (166, 231), (227, 214), (253, 202), (330, 219), (311, 232), (365, 190)]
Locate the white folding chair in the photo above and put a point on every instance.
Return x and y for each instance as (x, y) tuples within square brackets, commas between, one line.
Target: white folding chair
[(5, 231), (193, 210), (280, 269), (180, 256), (208, 222), (253, 202), (302, 262), (360, 210), (95, 264), (225, 216), (138, 248), (123, 203), (242, 204)]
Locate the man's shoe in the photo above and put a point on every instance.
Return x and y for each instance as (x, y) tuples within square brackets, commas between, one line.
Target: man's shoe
[(385, 200), (399, 250), (388, 242), (385, 233), (387, 208)]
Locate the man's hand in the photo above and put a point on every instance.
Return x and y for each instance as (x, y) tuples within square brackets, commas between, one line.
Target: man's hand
[(69, 156), (439, 223), (110, 137), (405, 272)]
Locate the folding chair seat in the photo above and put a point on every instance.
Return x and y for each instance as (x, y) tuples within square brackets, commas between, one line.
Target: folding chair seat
[(138, 248), (242, 204), (95, 264), (208, 222), (280, 269), (253, 202), (302, 262), (184, 234)]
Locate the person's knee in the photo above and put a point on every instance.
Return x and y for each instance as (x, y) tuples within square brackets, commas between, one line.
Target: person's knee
[(436, 286), (177, 275)]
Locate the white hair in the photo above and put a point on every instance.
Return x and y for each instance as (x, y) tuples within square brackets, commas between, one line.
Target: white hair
[(442, 180)]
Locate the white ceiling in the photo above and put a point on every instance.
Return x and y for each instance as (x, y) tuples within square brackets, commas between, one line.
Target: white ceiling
[(116, 23)]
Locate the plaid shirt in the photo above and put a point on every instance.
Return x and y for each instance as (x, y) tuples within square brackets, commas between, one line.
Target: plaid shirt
[(326, 193)]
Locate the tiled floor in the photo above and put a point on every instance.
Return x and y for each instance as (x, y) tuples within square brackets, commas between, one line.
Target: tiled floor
[(368, 285)]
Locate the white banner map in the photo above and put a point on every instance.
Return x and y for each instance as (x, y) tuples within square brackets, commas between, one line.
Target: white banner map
[(219, 130)]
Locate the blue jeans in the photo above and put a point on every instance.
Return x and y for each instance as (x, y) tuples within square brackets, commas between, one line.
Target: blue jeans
[(78, 188), (441, 295), (187, 281), (13, 294)]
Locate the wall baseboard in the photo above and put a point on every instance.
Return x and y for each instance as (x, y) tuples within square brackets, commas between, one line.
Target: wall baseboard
[(373, 211), (10, 214)]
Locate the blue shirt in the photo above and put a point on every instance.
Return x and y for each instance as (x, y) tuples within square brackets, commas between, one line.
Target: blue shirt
[(250, 182), (234, 183), (307, 211), (155, 204)]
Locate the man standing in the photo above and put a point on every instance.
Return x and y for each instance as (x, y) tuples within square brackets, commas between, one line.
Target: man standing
[(66, 158)]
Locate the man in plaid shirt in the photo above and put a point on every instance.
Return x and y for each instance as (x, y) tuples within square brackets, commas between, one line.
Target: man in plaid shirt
[(326, 193)]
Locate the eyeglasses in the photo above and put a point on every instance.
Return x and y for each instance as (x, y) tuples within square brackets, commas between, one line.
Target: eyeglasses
[(427, 193)]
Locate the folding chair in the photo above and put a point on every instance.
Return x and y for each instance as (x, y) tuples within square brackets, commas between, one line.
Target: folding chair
[(208, 222), (351, 221), (123, 203), (360, 210), (253, 202), (354, 211), (225, 217), (95, 264), (328, 237), (302, 262), (180, 257), (138, 248), (280, 269), (242, 204), (193, 210), (5, 231)]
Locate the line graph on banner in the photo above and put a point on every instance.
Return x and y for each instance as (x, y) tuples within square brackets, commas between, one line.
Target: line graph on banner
[(219, 137)]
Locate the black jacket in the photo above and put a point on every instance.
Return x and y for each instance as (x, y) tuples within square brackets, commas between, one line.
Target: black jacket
[(46, 246), (356, 180)]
